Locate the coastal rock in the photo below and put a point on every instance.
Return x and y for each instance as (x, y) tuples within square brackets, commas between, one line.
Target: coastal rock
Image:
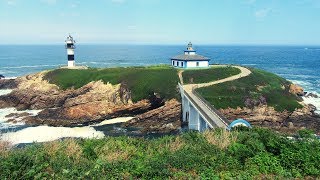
[(296, 89), (8, 83), (256, 115), (98, 91), (33, 92), (266, 116), (93, 102), (311, 95), (166, 118), (17, 115), (312, 108), (91, 112)]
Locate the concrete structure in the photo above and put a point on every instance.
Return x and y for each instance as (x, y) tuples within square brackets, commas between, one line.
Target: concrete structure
[(70, 51), (198, 114), (190, 59), (201, 115)]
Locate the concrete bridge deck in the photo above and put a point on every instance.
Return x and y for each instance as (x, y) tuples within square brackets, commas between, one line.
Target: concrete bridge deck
[(197, 111)]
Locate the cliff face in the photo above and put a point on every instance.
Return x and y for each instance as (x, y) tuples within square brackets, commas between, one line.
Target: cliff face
[(163, 119), (91, 102)]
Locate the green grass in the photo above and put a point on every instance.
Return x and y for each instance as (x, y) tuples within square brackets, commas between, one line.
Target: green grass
[(142, 81), (233, 93), (250, 154), (207, 75)]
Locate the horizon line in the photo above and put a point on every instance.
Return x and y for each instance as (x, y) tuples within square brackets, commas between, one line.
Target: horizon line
[(164, 44)]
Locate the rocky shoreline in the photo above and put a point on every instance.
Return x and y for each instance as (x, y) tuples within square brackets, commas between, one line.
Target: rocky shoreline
[(265, 116), (89, 104), (97, 101)]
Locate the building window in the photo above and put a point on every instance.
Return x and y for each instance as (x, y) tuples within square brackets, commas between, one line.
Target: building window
[(172, 63), (181, 64), (197, 63)]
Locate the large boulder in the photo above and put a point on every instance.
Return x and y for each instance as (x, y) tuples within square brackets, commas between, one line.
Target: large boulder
[(296, 89)]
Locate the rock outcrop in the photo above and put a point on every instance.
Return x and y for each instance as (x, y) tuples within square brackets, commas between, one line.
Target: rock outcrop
[(296, 89), (8, 83), (266, 116), (163, 119), (94, 102)]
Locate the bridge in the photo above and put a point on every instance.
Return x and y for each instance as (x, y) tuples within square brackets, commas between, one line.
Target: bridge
[(197, 112)]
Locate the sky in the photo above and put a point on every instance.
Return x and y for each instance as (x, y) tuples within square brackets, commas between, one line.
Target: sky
[(226, 22)]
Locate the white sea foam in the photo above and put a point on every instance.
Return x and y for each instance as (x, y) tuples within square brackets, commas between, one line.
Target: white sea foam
[(13, 77), (46, 133), (309, 100), (313, 101), (18, 121), (113, 121), (305, 84), (5, 91)]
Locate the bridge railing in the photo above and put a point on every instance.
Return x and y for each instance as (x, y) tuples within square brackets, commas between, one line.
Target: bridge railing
[(211, 107)]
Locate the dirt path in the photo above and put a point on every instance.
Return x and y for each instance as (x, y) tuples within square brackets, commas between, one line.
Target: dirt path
[(180, 76), (244, 72)]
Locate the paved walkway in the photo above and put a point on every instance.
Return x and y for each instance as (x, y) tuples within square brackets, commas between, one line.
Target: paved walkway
[(203, 106)]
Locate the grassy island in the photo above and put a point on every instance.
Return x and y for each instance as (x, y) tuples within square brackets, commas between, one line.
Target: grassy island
[(246, 154), (195, 76), (144, 81), (258, 84)]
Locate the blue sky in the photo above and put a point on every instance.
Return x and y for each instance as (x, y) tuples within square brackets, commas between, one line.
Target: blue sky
[(292, 22)]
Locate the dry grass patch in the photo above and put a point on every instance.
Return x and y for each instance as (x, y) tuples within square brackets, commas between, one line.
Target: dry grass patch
[(5, 146), (52, 148), (72, 149), (176, 144), (116, 150), (221, 138), (68, 147)]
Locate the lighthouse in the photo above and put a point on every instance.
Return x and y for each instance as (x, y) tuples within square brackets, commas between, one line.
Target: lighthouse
[(70, 51)]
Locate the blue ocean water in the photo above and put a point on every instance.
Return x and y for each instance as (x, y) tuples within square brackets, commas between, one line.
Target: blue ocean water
[(297, 63)]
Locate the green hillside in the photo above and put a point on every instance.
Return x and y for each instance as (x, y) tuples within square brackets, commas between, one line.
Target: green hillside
[(247, 154), (207, 75), (258, 84)]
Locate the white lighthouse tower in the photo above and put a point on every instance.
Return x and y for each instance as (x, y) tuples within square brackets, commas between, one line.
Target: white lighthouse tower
[(70, 51)]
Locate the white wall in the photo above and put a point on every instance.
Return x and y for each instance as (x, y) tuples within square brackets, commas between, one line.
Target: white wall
[(193, 64), (71, 63), (189, 64), (70, 51)]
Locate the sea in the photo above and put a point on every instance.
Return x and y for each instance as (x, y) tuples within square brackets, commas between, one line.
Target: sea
[(299, 64)]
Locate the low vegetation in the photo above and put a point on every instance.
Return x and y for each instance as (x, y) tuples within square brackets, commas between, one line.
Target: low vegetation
[(258, 87), (242, 154), (195, 76), (142, 81)]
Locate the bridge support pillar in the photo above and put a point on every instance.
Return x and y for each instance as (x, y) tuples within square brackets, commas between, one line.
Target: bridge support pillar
[(194, 121), (185, 109), (202, 124)]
